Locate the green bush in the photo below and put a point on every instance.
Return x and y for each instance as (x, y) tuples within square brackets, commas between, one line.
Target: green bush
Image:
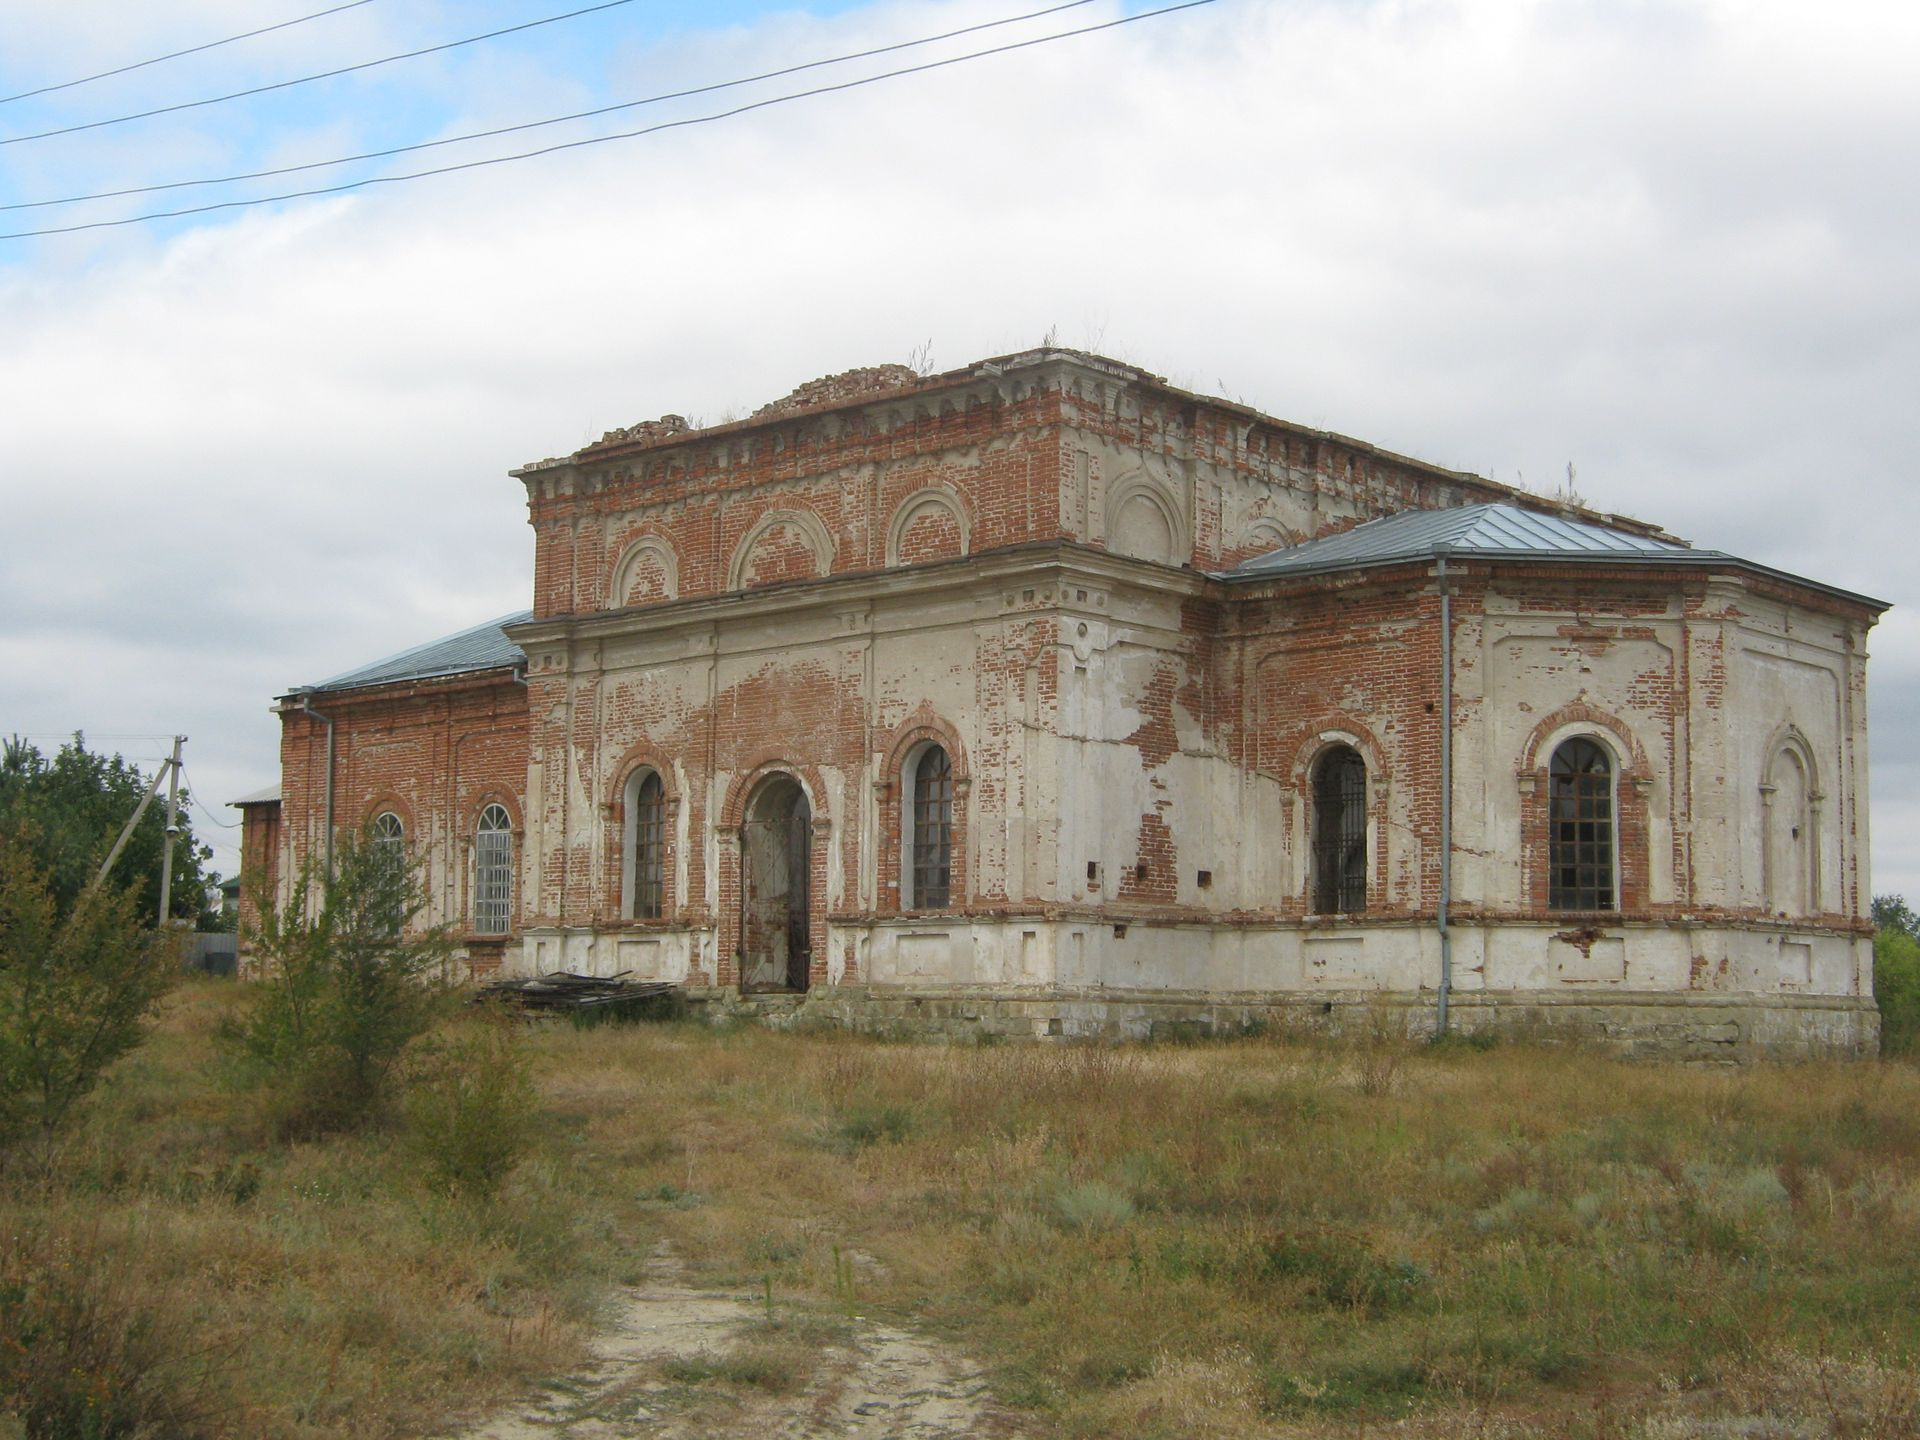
[(470, 1107), (348, 988), (84, 1355), (1896, 983), (77, 985)]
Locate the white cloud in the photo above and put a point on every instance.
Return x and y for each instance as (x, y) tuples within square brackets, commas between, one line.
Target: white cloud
[(1665, 241)]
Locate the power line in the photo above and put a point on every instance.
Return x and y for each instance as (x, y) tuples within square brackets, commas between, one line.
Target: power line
[(603, 139), (201, 805), (309, 79), (556, 120), (175, 55)]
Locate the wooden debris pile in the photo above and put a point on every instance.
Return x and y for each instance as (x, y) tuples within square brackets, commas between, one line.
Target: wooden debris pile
[(564, 990)]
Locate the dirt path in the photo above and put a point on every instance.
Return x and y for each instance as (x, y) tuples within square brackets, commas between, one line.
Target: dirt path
[(679, 1363)]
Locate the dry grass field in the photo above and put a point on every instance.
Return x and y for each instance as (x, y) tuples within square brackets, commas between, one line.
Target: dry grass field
[(1269, 1236)]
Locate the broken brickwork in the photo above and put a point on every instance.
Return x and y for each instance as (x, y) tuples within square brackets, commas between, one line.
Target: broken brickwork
[(1038, 565)]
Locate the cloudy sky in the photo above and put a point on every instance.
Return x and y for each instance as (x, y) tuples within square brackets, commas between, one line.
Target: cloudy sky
[(1669, 242)]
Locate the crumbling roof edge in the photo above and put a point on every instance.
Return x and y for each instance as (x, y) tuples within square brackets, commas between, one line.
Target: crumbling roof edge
[(1043, 355)]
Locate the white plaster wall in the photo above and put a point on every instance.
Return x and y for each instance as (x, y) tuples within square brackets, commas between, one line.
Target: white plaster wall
[(1786, 682), (1522, 672)]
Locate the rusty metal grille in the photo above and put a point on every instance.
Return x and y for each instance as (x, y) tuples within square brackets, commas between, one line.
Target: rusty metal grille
[(933, 830), (1340, 833), (493, 873), (1580, 828), (650, 849), (390, 842)]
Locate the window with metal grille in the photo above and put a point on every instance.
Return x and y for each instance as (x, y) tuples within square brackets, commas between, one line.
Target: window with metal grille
[(932, 830), (1340, 832), (1580, 828), (493, 872), (390, 841), (649, 847)]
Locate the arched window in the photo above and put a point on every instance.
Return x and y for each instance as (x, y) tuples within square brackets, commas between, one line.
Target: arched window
[(930, 867), (493, 872), (647, 872), (1580, 827), (1340, 832), (389, 835), (390, 832)]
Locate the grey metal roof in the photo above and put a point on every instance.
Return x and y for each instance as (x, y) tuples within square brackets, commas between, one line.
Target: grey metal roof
[(1503, 531), (259, 797), (1499, 532), (484, 647)]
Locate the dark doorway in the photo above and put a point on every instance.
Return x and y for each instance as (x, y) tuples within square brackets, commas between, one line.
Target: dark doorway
[(776, 860)]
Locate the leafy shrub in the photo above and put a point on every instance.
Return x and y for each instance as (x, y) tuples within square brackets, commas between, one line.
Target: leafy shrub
[(1341, 1272), (76, 988), (1092, 1205), (347, 989), (872, 1124), (470, 1108), (83, 1356), (1896, 984)]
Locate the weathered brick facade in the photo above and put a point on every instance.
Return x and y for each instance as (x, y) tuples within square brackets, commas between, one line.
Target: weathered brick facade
[(1034, 567)]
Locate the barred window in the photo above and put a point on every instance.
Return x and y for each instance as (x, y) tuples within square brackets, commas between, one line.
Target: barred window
[(389, 835), (932, 875), (648, 882), (493, 872), (1580, 828), (1340, 832)]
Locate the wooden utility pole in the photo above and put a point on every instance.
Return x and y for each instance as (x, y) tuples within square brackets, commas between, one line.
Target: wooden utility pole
[(173, 829)]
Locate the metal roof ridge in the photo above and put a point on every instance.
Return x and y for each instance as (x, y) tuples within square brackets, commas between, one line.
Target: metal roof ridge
[(369, 673)]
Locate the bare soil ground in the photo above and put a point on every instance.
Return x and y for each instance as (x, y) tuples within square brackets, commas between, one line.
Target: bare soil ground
[(680, 1363)]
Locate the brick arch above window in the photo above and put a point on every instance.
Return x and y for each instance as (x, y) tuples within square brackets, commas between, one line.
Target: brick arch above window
[(1260, 537), (389, 802), (1144, 520), (893, 788), (932, 520), (757, 767), (1632, 791), (794, 540), (642, 755), (1581, 718), (917, 729), (1310, 743), (476, 806), (647, 572)]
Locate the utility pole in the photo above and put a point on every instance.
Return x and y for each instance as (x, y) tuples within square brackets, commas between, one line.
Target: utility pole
[(173, 829)]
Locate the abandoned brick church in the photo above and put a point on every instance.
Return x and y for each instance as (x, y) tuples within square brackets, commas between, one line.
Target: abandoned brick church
[(1044, 697)]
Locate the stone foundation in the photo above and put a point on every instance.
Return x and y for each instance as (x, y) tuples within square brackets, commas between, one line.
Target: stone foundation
[(1702, 1028)]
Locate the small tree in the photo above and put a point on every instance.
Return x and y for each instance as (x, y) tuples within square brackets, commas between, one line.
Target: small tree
[(76, 988), (70, 809), (1896, 975), (347, 989)]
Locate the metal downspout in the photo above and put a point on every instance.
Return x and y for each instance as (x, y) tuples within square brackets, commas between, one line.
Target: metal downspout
[(306, 704), (1446, 795)]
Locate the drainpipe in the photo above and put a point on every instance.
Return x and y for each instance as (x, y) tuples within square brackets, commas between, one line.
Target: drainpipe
[(306, 704), (1446, 795)]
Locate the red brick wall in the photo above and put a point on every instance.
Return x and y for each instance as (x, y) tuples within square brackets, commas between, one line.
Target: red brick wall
[(435, 753), (259, 864)]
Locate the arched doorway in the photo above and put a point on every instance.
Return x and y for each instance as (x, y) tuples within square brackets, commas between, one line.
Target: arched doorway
[(776, 860)]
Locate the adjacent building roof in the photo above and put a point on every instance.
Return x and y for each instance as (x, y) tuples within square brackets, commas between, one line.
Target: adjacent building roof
[(1495, 532), (484, 647), (1503, 531), (270, 795)]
